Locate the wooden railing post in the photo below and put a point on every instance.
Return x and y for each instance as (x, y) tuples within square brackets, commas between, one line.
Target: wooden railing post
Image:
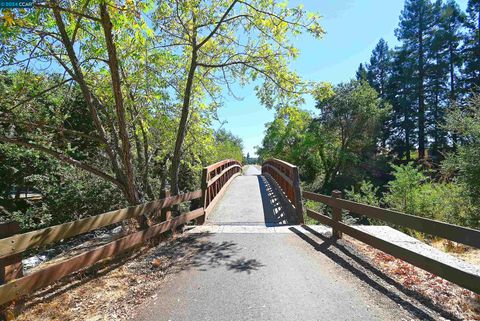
[(166, 212), (11, 267), (298, 195), (203, 200), (336, 214)]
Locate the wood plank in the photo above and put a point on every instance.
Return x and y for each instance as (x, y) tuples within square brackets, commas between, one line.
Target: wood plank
[(48, 275), (11, 267), (462, 278), (219, 195), (213, 180), (452, 232), (281, 174), (276, 160), (297, 192), (220, 163), (21, 242)]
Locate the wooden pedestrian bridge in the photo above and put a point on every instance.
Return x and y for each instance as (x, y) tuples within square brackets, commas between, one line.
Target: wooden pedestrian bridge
[(281, 269)]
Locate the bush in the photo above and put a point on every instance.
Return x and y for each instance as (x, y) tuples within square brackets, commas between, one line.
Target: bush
[(412, 192), (68, 195)]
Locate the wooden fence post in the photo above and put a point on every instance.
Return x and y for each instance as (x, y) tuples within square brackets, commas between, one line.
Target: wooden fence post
[(298, 195), (336, 214), (166, 213), (203, 200), (11, 267)]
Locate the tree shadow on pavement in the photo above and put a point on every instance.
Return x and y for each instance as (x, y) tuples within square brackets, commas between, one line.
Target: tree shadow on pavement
[(243, 265), (363, 270), (174, 255), (197, 251), (275, 210)]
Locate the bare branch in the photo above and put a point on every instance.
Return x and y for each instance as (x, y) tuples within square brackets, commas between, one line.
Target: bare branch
[(53, 6), (222, 20)]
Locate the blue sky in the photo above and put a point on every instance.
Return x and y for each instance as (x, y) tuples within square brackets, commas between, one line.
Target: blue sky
[(353, 29)]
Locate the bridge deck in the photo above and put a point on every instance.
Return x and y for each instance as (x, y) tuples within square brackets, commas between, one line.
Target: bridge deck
[(250, 200), (261, 269)]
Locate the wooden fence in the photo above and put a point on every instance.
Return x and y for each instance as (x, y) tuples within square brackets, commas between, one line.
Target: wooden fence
[(287, 178), (451, 232), (13, 246), (215, 180)]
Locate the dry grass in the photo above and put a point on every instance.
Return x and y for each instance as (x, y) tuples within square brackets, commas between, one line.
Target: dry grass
[(463, 252), (109, 291), (463, 304)]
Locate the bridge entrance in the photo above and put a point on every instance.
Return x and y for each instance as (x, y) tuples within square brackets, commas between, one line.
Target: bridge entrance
[(252, 199)]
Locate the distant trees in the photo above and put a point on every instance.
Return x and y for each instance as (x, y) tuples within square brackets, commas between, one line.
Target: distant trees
[(431, 81), (435, 68), (334, 142)]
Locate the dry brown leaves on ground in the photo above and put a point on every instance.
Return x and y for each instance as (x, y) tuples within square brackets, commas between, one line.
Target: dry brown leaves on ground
[(114, 290), (462, 303)]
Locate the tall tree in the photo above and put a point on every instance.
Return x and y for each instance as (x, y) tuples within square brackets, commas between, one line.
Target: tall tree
[(379, 70), (89, 44), (447, 63), (379, 67), (471, 49), (361, 73), (347, 127), (417, 23), (225, 41), (401, 93)]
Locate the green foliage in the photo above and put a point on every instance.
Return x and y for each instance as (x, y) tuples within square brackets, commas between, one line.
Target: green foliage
[(404, 187), (367, 194), (67, 194), (412, 192), (285, 134), (333, 143), (464, 163), (227, 146)]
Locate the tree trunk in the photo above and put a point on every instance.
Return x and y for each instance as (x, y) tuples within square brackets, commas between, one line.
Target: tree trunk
[(133, 195), (182, 127), (421, 94), (406, 126), (452, 87)]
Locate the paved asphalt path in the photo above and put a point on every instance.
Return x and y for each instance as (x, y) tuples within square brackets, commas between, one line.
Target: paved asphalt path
[(250, 200), (260, 270)]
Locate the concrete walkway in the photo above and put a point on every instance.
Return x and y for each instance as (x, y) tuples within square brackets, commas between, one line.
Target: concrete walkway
[(250, 264), (250, 200)]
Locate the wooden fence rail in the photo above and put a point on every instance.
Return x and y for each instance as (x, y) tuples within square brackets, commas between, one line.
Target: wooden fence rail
[(455, 233), (13, 245), (287, 177), (215, 180)]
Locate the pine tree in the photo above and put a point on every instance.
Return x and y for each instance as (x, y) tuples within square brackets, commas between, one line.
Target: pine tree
[(361, 73), (378, 71), (417, 22), (378, 68), (400, 92), (471, 49), (448, 41)]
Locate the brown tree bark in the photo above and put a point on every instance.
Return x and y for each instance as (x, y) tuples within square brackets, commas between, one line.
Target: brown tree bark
[(126, 153), (182, 127)]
